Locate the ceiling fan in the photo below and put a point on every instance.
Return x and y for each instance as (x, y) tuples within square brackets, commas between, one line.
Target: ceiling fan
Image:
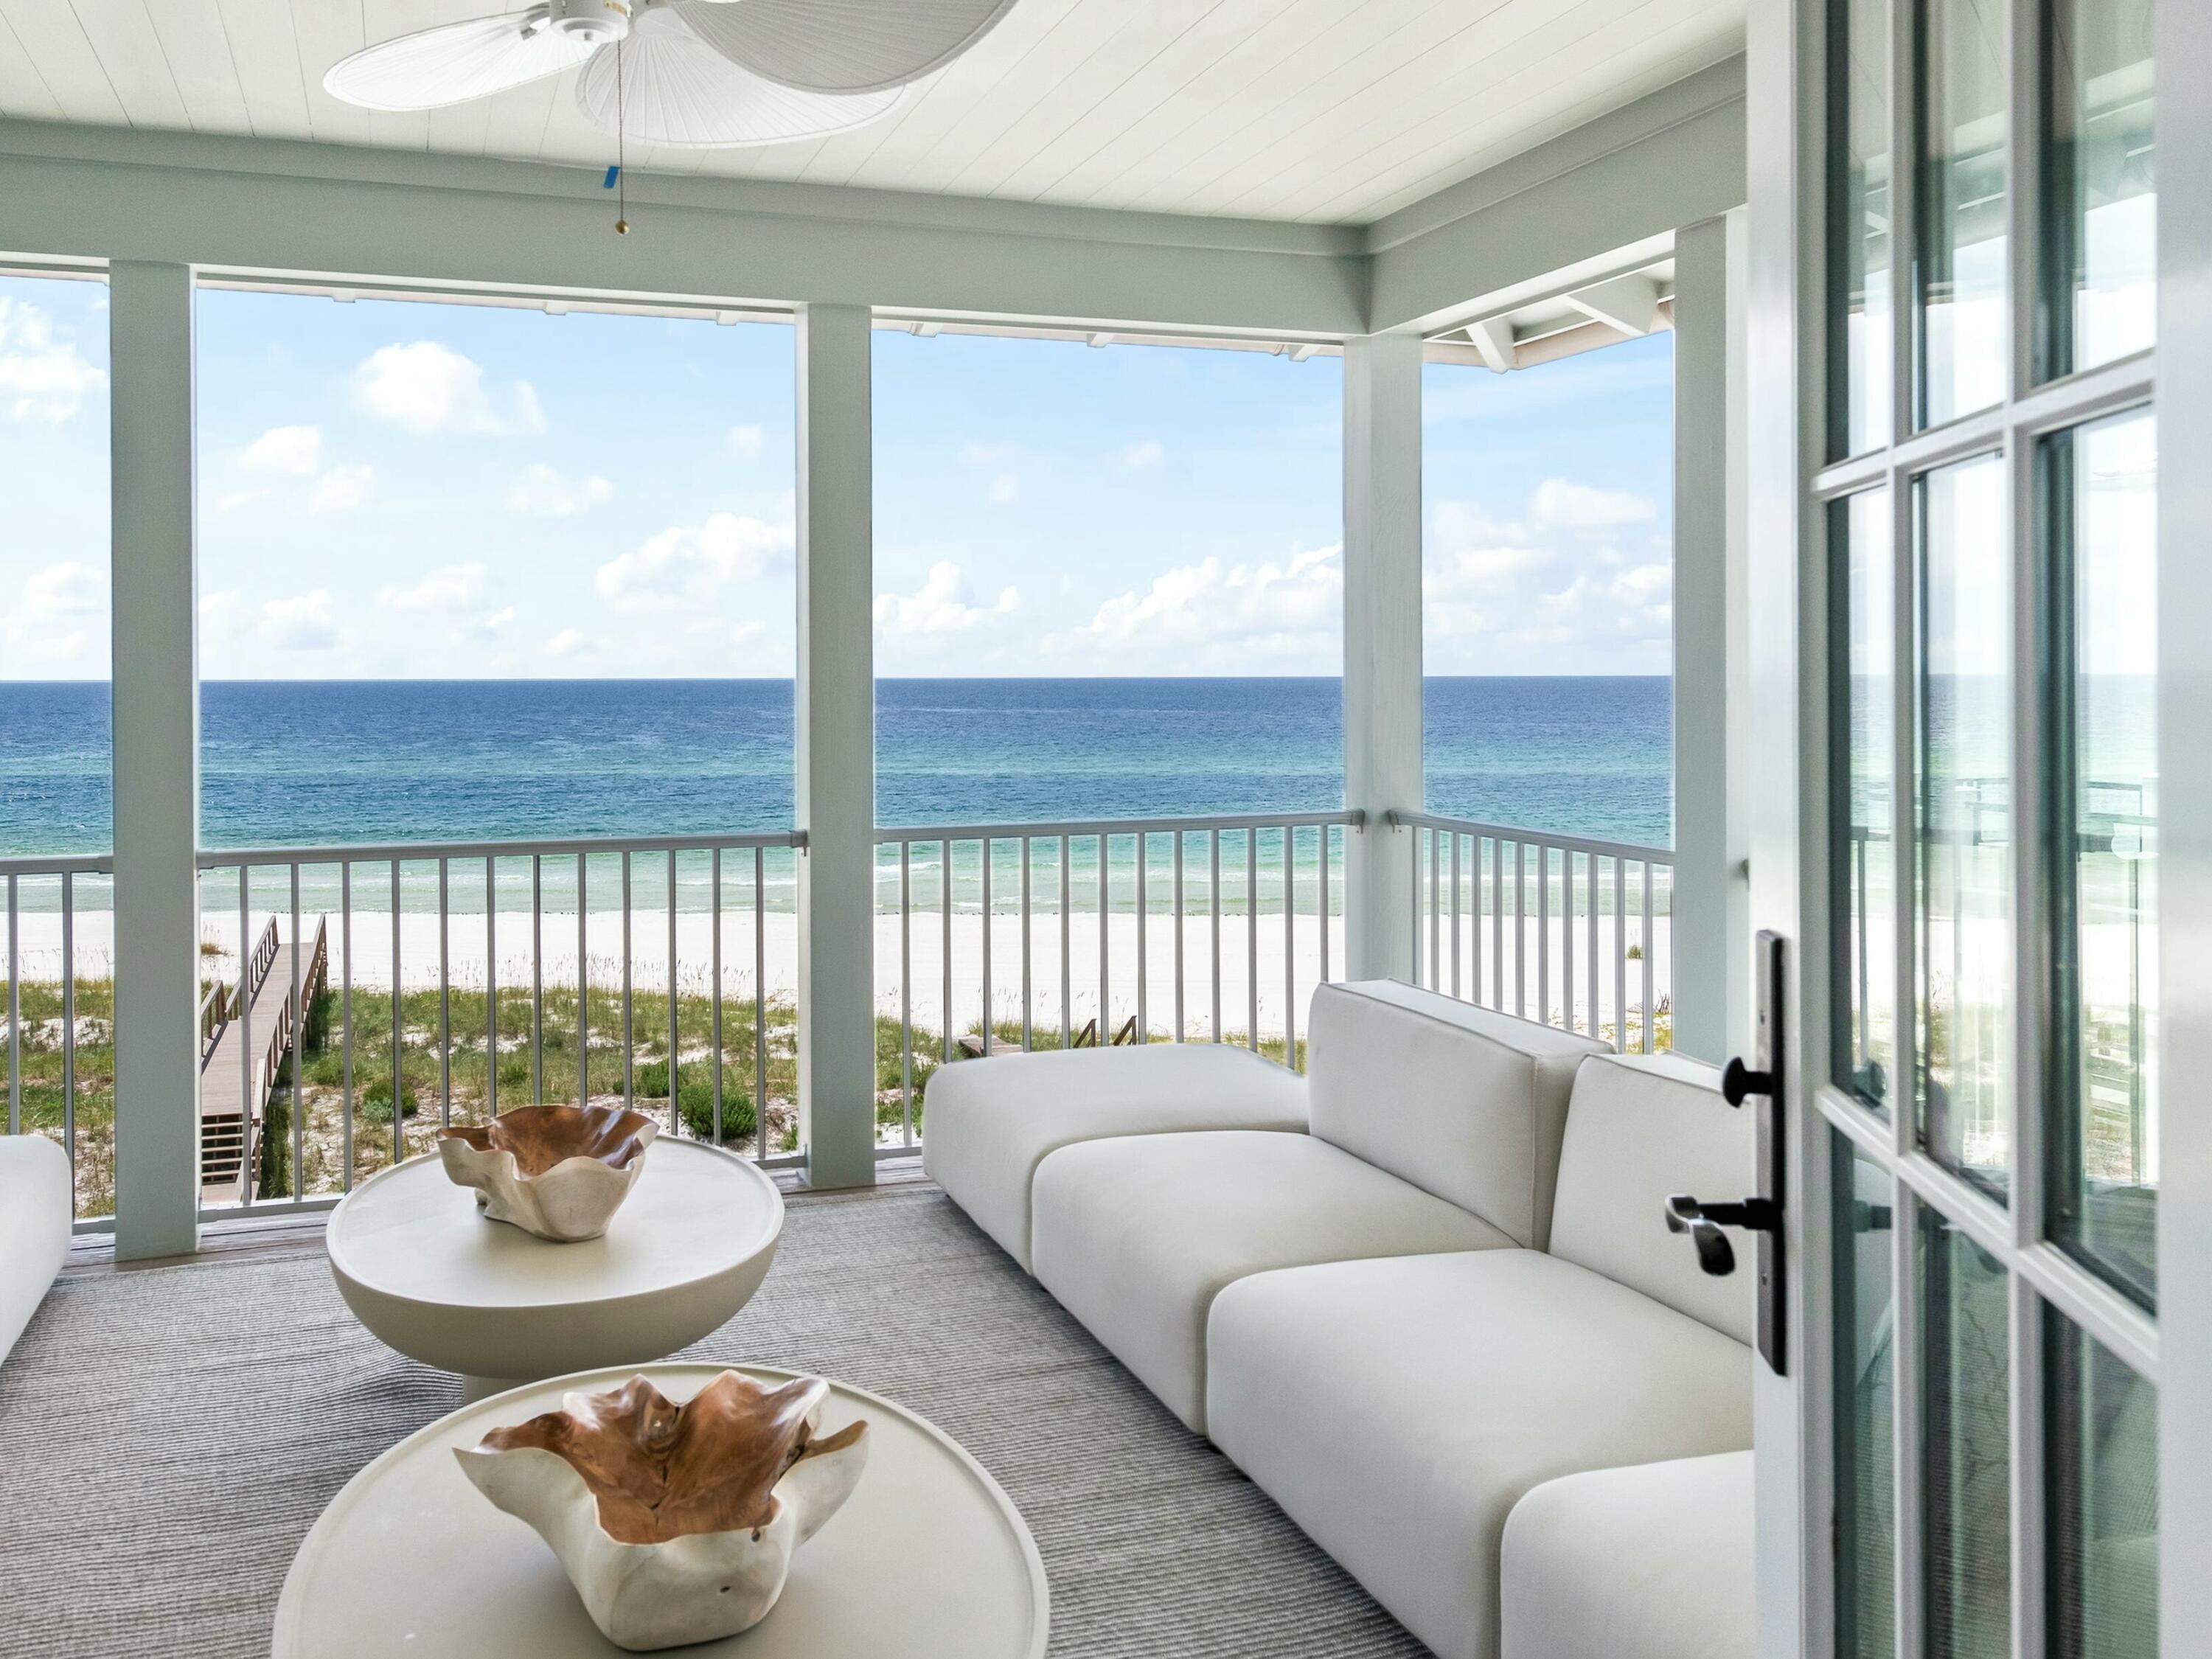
[(683, 74)]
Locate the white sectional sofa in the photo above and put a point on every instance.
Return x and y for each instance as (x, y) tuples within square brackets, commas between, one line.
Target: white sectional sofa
[(1453, 1297), (35, 1211)]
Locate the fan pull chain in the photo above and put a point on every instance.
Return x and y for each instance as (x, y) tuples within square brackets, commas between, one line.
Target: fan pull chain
[(622, 168)]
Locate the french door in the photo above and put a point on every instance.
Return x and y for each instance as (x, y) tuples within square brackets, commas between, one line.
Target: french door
[(1974, 825)]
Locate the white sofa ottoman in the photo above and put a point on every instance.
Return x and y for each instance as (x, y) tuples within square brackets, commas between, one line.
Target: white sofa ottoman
[(1400, 1409), (986, 1124), (1652, 1562), (1136, 1237), (36, 1208)]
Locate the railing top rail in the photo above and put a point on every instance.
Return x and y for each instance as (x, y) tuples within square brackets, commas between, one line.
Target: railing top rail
[(930, 832), (229, 858), (1609, 849), (80, 864)]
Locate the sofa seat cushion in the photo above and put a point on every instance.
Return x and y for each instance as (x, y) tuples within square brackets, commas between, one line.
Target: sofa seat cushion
[(1136, 1237), (1653, 1562), (1398, 1410), (986, 1124)]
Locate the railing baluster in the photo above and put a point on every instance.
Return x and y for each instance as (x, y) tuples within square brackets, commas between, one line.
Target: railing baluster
[(491, 989), (1066, 953), (248, 949), (1620, 955), (69, 1027), (537, 979), (987, 946), (1027, 1041), (714, 929), (760, 1005), (1180, 1031), (345, 1009), (1252, 934), (445, 999), (1567, 937), (629, 1030), (1105, 949), (944, 942), (1213, 897), (1590, 954), (1143, 954), (1455, 913), (1290, 948), (675, 1118), (15, 1012), (399, 1047), (296, 1187), (906, 992), (1650, 1039), (1321, 909), (583, 985)]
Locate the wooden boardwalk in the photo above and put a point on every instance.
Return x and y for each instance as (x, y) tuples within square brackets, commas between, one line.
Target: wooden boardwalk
[(232, 1108)]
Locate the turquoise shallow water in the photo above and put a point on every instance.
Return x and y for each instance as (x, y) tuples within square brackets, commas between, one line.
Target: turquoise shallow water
[(356, 762)]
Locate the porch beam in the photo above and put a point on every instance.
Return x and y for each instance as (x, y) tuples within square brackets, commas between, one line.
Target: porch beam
[(1381, 645), (155, 715), (834, 717)]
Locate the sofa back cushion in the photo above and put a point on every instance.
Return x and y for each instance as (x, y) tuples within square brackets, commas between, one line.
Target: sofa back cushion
[(1643, 1127), (1463, 1102)]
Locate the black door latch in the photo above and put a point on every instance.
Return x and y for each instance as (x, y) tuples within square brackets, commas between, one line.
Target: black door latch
[(1704, 1222)]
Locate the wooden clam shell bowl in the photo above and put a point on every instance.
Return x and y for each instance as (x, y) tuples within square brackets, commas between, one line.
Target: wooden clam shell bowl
[(675, 1523), (560, 1172)]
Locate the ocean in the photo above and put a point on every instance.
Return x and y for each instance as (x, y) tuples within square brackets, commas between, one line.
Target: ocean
[(337, 763)]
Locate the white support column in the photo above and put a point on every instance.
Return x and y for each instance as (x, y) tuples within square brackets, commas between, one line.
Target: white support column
[(156, 736), (1707, 809), (1381, 645), (836, 734)]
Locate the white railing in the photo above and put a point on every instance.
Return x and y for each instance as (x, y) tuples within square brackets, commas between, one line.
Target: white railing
[(1569, 930), (59, 1012), (1053, 935)]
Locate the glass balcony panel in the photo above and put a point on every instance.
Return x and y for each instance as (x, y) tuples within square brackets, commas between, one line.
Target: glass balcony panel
[(2101, 502), (1966, 1445), (2099, 182), (1866, 1492), (1861, 204), (2101, 1461), (1864, 852), (1962, 209), (1964, 956)]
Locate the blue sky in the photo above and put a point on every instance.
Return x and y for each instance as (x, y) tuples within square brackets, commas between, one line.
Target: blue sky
[(413, 490)]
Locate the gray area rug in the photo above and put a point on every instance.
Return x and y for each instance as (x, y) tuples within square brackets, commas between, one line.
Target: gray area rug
[(167, 1437)]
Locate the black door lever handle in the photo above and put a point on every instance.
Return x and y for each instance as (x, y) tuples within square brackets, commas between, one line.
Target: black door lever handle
[(1704, 1222), (1738, 1083)]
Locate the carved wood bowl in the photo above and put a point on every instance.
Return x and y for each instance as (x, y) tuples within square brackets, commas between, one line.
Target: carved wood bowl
[(558, 1171), (675, 1523)]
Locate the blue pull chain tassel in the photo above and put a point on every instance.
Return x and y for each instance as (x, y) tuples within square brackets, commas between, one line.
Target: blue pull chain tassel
[(612, 174)]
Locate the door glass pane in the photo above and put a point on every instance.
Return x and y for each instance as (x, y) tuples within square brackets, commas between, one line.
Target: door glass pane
[(1863, 859), (1866, 1500), (2101, 183), (2102, 1455), (2100, 504), (1963, 958), (1961, 278), (1966, 1451), (1860, 204)]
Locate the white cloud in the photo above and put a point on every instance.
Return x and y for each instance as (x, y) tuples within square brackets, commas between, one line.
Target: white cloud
[(979, 454), (305, 622), (452, 588), (939, 605), (1210, 614), (294, 449), (231, 500), (745, 442), (564, 643), (689, 564), (542, 489), (1138, 457), (57, 622), (1560, 505), (41, 379), (1004, 489), (341, 489), (70, 589), (425, 388), (500, 618)]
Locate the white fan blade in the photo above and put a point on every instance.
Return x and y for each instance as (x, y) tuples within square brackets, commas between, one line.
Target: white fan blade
[(678, 94), (843, 46), (454, 63)]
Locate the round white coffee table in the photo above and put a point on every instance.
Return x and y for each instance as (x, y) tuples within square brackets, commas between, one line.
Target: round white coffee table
[(927, 1560), (432, 1277)]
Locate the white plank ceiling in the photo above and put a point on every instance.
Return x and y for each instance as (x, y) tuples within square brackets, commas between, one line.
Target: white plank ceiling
[(1324, 111)]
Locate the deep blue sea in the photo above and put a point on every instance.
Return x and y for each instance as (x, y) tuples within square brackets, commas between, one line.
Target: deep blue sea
[(322, 763)]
